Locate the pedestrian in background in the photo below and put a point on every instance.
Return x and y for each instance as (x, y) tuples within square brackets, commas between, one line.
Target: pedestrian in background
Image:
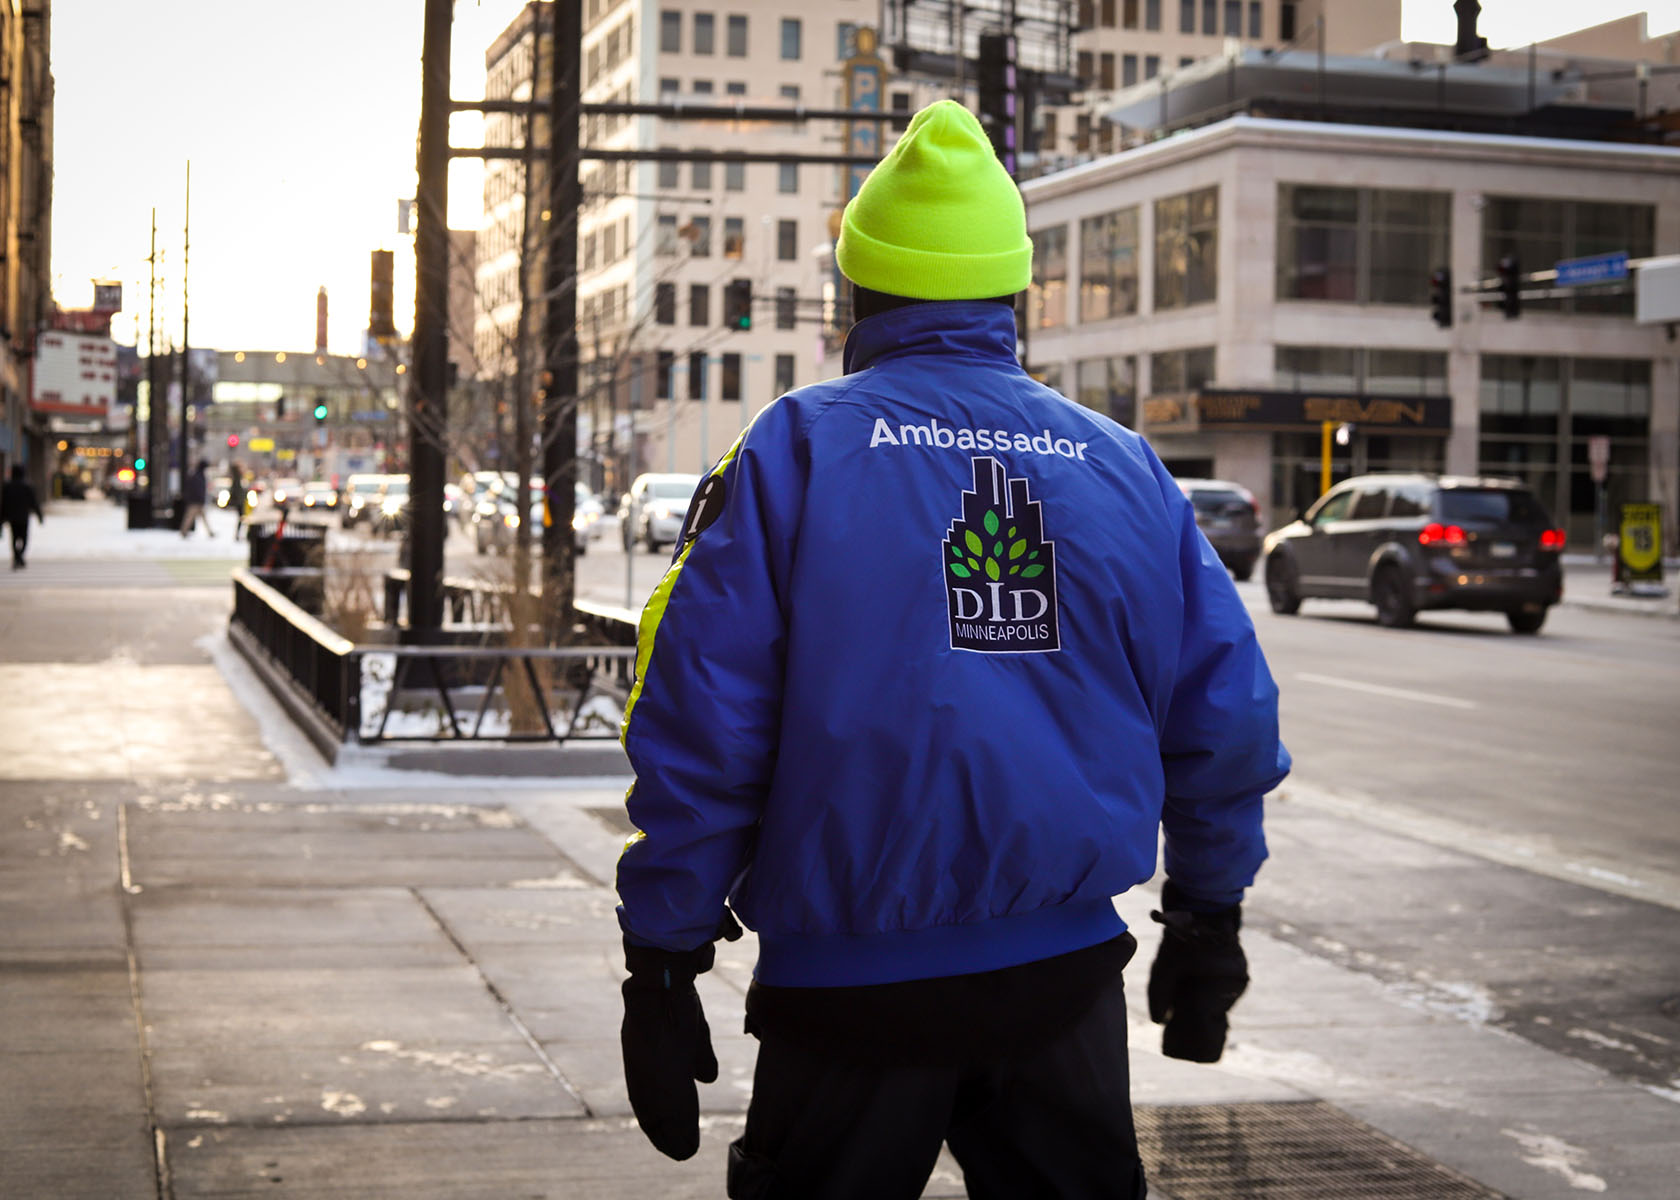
[(17, 501), (939, 654), (236, 498), (195, 495)]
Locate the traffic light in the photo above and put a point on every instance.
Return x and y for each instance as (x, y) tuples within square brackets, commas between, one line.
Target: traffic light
[(320, 411), (233, 441), (1510, 286), (996, 82), (737, 304), (1440, 297), (139, 464)]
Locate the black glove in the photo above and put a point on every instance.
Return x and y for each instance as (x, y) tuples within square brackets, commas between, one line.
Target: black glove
[(1198, 974), (667, 1044)]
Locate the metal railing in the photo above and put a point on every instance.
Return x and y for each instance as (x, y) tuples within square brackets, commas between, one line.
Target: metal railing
[(440, 693)]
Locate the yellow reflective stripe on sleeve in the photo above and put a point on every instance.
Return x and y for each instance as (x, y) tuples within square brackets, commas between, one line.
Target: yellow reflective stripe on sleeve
[(654, 612)]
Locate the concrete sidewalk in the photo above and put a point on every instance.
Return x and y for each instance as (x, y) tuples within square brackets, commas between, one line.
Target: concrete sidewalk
[(227, 971)]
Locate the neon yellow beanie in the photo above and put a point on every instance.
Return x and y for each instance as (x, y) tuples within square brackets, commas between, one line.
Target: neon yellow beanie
[(938, 218)]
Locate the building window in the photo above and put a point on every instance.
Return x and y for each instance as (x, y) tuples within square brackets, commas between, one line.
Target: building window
[(1047, 134), (734, 237), (735, 87), (1109, 386), (734, 177), (737, 37), (699, 304), (1152, 15), (670, 31), (668, 87), (1540, 233), (1359, 245), (697, 375), (1128, 70), (700, 175), (1185, 60), (1176, 372), (787, 178), (1151, 65), (667, 173), (787, 241), (1233, 18), (702, 87), (665, 235), (791, 28), (784, 374), (705, 31), (1286, 21), (1129, 14), (1050, 375), (1085, 68), (1210, 17), (1047, 294), (731, 364), (609, 245), (790, 92), (787, 307), (1254, 20), (701, 237), (1359, 371), (845, 40), (1187, 249), (1537, 416), (587, 242), (1087, 16), (1105, 71), (1187, 16), (665, 303), (1108, 265), (664, 363), (901, 104)]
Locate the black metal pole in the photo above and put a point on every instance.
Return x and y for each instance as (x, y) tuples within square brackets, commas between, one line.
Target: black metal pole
[(186, 362), (157, 404), (560, 340), (428, 413)]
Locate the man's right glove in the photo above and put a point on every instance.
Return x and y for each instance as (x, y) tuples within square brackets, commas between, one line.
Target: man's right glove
[(1199, 973), (666, 1042)]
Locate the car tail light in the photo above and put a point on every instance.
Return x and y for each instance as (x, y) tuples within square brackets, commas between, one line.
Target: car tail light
[(1430, 534), (1553, 539)]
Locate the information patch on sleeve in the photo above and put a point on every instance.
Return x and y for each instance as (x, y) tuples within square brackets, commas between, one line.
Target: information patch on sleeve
[(706, 507)]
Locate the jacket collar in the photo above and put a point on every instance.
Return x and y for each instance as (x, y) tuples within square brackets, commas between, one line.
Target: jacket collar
[(974, 327)]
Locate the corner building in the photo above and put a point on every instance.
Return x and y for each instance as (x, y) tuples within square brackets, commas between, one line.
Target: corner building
[(1228, 290)]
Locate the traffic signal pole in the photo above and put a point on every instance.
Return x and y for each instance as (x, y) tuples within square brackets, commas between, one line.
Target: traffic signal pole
[(428, 397)]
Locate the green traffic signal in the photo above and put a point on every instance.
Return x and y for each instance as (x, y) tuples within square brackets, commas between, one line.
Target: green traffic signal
[(320, 412), (139, 464)]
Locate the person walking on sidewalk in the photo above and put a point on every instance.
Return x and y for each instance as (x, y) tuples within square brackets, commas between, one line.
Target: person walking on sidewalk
[(17, 501), (196, 494), (236, 498), (938, 654)]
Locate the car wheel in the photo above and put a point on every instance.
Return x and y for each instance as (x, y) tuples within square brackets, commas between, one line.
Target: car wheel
[(1242, 569), (648, 539), (1526, 620), (1280, 587), (1388, 592)]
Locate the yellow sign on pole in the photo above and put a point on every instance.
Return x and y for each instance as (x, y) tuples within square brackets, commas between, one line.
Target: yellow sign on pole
[(261, 443)]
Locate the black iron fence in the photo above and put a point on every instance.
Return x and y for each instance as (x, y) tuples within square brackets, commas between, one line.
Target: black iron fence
[(448, 692)]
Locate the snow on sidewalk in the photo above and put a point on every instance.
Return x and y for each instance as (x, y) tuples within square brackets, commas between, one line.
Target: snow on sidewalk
[(98, 529)]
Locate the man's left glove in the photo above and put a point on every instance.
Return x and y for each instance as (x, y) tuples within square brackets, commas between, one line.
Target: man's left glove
[(1199, 972), (667, 1044)]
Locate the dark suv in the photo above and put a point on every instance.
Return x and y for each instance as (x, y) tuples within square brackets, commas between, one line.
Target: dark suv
[(1410, 542), (1229, 517)]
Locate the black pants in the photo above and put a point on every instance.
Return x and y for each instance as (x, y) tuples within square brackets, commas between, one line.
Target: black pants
[(1054, 1124), (20, 540)]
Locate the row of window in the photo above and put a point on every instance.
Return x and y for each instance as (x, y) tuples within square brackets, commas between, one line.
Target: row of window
[(1097, 70), (670, 88), (697, 232), (700, 305), (696, 366), (1146, 14), (607, 307), (704, 35), (734, 176), (606, 54), (1341, 244)]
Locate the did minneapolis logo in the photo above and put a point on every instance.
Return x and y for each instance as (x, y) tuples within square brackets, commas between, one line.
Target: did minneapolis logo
[(1000, 572)]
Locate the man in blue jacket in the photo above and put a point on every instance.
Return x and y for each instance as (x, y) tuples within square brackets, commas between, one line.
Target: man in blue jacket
[(938, 654)]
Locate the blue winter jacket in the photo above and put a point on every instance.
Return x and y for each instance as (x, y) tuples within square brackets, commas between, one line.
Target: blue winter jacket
[(939, 653)]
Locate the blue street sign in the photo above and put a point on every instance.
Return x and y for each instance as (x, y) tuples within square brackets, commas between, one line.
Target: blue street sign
[(1595, 268)]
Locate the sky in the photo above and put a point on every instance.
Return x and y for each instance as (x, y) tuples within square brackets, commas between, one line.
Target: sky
[(299, 120)]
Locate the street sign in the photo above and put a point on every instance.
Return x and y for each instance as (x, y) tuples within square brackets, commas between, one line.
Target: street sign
[(1595, 268), (1639, 549), (261, 443), (1598, 454)]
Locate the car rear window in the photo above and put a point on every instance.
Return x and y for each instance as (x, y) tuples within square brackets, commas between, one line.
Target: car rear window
[(1216, 500), (668, 490), (1498, 505)]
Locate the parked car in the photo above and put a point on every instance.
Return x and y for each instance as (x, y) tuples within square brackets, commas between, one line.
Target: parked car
[(587, 511), (390, 513), (652, 511), (320, 495), (1413, 542), (287, 491), (360, 492), (1229, 517), (496, 516)]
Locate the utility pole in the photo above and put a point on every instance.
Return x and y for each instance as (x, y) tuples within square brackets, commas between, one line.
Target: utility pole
[(428, 397), (157, 405), (560, 340), (186, 364)]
